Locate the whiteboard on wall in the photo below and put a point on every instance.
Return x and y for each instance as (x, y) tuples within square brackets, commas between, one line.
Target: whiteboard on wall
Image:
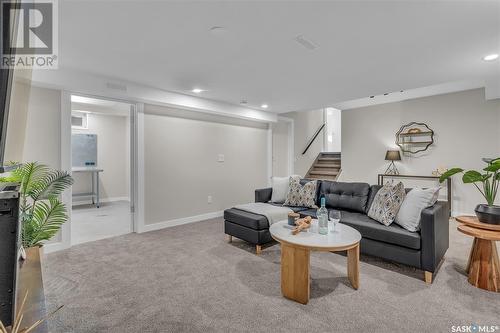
[(84, 150)]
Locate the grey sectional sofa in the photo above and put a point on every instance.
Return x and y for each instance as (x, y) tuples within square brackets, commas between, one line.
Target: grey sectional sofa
[(424, 249)]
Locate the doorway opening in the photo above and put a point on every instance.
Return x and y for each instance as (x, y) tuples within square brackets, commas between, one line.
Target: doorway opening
[(102, 168)]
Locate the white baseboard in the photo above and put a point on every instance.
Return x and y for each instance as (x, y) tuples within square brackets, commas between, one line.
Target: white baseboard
[(54, 247), (89, 201), (184, 220)]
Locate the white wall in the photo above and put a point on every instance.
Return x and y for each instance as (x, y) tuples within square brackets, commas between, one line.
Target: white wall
[(466, 129), (113, 156), (280, 149), (16, 125), (181, 167), (306, 124), (34, 128)]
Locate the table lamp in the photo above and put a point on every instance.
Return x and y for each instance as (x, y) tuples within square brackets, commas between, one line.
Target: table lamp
[(392, 155)]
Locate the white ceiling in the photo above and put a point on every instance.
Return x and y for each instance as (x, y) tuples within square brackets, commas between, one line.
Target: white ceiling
[(362, 48)]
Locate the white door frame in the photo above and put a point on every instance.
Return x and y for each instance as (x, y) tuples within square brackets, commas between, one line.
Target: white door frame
[(66, 164), (66, 196)]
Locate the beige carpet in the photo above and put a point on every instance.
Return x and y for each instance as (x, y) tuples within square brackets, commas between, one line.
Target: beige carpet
[(188, 279)]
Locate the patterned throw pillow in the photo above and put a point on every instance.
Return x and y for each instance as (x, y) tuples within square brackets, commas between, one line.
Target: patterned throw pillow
[(301, 195), (386, 203)]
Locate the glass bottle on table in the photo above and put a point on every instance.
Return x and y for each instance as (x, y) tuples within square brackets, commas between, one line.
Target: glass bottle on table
[(322, 215)]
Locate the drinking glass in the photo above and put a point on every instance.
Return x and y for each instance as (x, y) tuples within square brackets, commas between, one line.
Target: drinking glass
[(335, 219)]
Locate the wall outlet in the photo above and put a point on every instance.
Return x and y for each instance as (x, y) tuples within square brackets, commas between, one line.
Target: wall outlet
[(220, 158), (209, 199)]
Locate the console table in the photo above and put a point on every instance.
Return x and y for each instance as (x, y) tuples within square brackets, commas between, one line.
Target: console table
[(94, 193), (449, 196)]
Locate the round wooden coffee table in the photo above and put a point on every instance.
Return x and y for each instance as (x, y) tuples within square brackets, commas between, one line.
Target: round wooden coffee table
[(295, 255), (483, 266)]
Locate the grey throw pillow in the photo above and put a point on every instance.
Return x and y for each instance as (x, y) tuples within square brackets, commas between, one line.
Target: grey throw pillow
[(386, 203), (416, 200), (301, 195)]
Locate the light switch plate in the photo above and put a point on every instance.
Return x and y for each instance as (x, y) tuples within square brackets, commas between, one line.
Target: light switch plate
[(220, 158)]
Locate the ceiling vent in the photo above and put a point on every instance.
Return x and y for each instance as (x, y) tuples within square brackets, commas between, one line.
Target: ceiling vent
[(305, 42), (116, 86)]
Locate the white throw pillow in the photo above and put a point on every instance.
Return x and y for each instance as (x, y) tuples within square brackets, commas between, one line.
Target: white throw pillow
[(416, 200), (280, 189)]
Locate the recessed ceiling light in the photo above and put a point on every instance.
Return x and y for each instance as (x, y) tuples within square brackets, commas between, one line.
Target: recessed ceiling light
[(491, 57), (197, 90), (264, 106), (218, 30)]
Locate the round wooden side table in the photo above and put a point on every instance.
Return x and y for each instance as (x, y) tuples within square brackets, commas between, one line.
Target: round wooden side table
[(483, 266)]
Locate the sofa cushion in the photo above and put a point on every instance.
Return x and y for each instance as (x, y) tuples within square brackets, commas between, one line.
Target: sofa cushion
[(348, 196), (294, 208), (415, 202), (308, 212), (280, 189), (247, 219), (373, 192), (371, 229), (301, 195), (387, 202)]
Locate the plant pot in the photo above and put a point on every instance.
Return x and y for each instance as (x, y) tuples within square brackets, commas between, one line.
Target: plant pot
[(488, 214)]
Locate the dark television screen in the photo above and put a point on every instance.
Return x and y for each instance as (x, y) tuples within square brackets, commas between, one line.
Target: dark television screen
[(8, 30), (9, 231), (5, 88)]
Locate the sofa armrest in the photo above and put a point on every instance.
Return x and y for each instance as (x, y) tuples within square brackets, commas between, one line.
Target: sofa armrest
[(263, 194), (435, 234)]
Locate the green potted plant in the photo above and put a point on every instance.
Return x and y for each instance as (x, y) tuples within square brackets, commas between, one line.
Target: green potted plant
[(487, 183), (40, 211)]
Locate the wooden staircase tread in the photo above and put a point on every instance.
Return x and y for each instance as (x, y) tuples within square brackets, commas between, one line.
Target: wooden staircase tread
[(325, 173), (321, 178), (333, 159), (326, 165)]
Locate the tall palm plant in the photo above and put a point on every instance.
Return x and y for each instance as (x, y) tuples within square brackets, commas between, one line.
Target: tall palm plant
[(41, 212)]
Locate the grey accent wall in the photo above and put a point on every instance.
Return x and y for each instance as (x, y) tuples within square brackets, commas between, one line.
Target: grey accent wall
[(466, 125), (182, 168)]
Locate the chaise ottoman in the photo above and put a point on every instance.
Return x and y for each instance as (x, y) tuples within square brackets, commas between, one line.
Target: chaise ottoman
[(247, 226)]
